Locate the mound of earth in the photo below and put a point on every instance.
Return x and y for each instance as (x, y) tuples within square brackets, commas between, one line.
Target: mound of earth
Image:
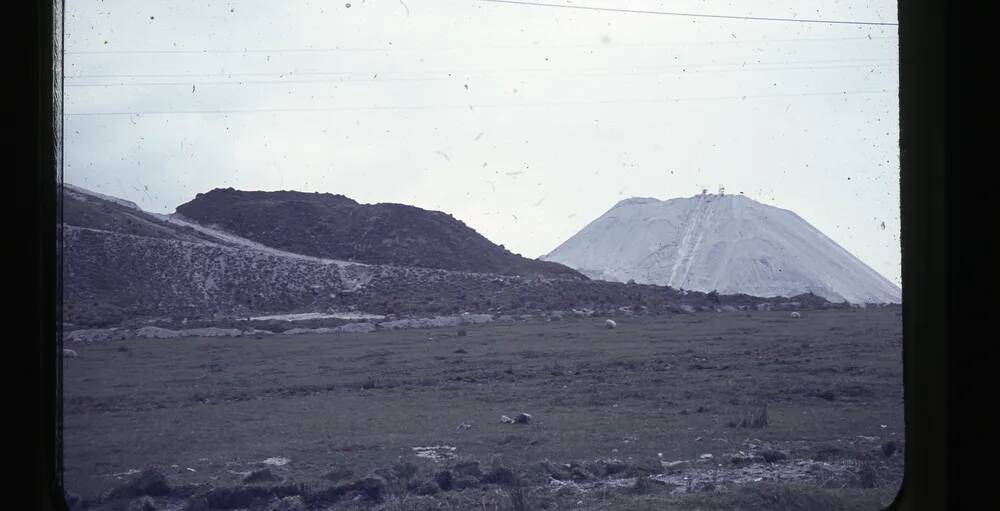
[(727, 243), (337, 227)]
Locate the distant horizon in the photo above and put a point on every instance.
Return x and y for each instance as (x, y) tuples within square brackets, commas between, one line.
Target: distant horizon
[(498, 242)]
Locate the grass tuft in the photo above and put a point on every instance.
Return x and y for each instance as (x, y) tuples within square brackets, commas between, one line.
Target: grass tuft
[(755, 418)]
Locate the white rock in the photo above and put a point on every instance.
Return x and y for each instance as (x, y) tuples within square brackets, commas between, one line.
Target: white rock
[(610, 323), (277, 461), (728, 243)]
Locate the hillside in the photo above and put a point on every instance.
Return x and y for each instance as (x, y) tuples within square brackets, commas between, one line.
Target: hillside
[(91, 210), (336, 227), (123, 266)]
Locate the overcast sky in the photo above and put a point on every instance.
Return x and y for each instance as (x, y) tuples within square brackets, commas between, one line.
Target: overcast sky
[(526, 122)]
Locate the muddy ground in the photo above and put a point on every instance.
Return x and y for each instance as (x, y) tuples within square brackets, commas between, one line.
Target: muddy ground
[(702, 411)]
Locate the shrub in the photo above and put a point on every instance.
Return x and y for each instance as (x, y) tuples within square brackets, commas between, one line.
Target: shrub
[(517, 496), (755, 418), (889, 448), (404, 470), (867, 474)]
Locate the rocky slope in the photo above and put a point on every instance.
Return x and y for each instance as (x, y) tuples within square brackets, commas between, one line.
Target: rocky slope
[(122, 265)]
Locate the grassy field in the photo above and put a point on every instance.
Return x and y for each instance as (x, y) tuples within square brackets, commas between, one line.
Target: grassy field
[(657, 392)]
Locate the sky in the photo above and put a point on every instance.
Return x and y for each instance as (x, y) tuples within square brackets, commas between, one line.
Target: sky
[(524, 121)]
